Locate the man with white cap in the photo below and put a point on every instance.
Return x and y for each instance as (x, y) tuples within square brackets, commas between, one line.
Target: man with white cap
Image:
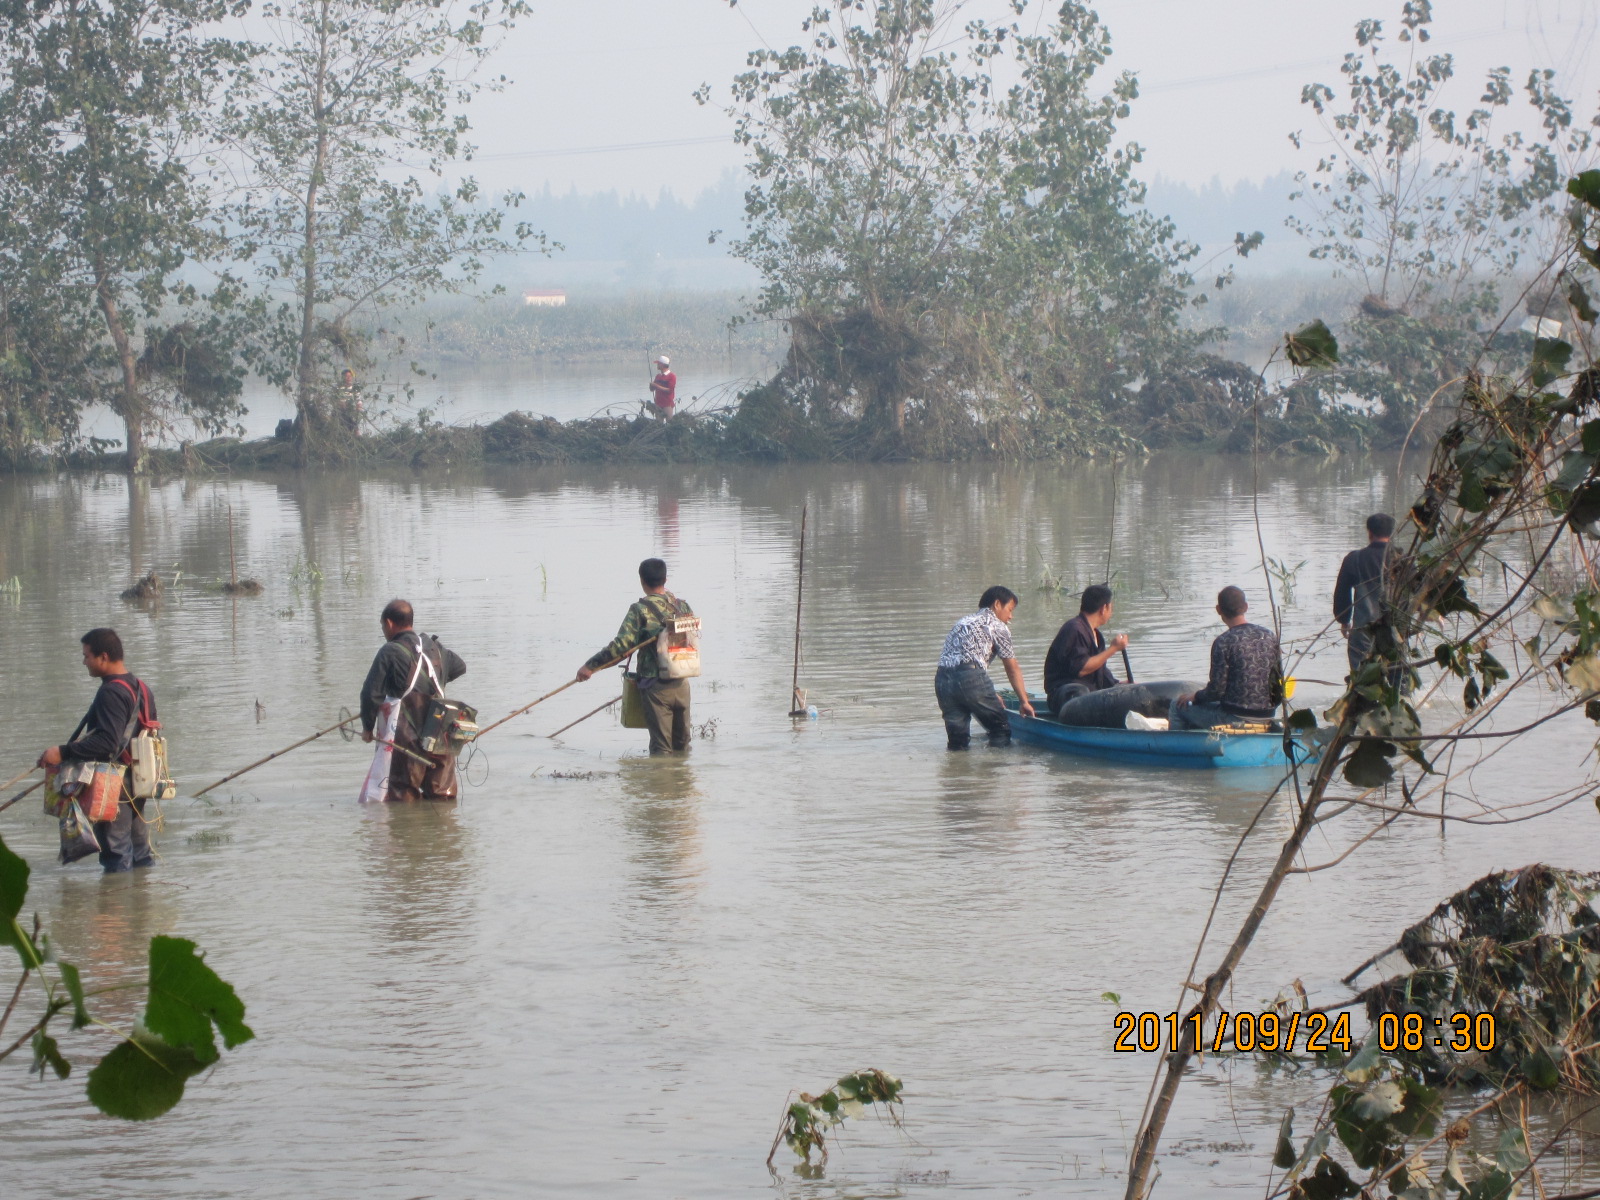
[(664, 388)]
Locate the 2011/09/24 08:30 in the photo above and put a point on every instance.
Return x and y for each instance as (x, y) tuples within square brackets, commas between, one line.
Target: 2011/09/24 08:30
[(1274, 1033)]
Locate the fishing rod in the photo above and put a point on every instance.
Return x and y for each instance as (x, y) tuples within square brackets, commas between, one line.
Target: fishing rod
[(338, 725), (583, 718), (798, 709), (411, 754), (557, 691), (18, 778), (275, 754), (27, 791)]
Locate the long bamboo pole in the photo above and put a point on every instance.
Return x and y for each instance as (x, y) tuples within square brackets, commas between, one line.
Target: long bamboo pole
[(275, 754), (557, 691), (17, 778), (585, 717), (27, 791), (411, 754), (795, 708)]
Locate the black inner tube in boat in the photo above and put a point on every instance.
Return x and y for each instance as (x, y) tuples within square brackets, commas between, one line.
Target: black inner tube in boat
[(1109, 707)]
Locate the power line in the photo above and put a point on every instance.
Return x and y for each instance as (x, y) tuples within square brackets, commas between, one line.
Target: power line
[(1302, 65), (617, 148)]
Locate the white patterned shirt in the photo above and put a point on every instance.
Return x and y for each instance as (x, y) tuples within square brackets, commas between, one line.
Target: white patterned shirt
[(977, 639)]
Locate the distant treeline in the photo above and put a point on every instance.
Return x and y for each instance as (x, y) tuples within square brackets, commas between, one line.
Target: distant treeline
[(589, 326)]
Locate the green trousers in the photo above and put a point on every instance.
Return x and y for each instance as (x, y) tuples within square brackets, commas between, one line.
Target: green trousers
[(666, 715)]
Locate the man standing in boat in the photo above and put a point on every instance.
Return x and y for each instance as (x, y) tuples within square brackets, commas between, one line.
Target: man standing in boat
[(1076, 663), (1358, 593), (410, 669), (962, 680), (1246, 681)]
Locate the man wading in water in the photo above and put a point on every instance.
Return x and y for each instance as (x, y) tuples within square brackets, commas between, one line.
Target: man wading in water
[(411, 669), (666, 701), (121, 705), (1358, 592), (962, 680)]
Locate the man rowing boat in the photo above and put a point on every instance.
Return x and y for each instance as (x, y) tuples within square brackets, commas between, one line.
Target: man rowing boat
[(1076, 662)]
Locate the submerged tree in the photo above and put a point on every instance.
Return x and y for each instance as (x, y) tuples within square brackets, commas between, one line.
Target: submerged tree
[(345, 93), (942, 214), (100, 105), (1437, 215)]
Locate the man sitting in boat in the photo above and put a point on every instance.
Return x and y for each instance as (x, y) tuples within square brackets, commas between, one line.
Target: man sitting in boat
[(1246, 673), (1076, 662)]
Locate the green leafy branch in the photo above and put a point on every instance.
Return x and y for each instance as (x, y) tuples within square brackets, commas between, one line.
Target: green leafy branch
[(806, 1121), (186, 1006)]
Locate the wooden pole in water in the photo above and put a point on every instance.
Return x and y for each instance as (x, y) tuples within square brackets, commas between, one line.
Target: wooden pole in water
[(17, 778), (796, 709), (27, 791), (275, 754), (558, 691), (583, 718), (233, 563)]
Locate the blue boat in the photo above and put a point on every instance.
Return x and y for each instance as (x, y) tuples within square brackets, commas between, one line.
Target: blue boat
[(1160, 748)]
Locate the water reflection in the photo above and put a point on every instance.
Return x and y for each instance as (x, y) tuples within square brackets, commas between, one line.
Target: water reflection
[(420, 886), (980, 812), (662, 818), (103, 926)]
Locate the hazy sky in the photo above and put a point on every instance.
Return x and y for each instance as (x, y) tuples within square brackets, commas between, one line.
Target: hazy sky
[(1220, 80)]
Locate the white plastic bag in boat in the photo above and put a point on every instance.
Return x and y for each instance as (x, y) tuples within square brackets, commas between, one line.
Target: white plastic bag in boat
[(1135, 720), (375, 788)]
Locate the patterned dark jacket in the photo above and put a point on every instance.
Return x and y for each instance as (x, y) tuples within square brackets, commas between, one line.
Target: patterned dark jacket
[(1245, 672)]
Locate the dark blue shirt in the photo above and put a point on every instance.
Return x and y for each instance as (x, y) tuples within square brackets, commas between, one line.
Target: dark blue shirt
[(1075, 644)]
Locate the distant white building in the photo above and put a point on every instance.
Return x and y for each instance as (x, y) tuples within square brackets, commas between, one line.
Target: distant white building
[(545, 297)]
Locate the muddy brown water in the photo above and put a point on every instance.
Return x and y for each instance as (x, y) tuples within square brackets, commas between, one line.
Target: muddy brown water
[(601, 975)]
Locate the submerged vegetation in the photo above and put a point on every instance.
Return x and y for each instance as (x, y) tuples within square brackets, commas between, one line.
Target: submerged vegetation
[(807, 1120)]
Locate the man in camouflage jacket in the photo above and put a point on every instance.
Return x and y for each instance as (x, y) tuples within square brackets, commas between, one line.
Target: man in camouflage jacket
[(666, 701)]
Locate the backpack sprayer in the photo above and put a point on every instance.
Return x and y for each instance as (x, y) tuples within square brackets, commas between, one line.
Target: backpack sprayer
[(149, 776), (447, 727)]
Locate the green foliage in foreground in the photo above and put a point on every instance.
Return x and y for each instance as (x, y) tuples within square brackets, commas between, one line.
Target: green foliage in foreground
[(144, 1075)]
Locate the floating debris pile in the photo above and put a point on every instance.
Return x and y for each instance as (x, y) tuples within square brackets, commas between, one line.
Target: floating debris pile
[(1520, 949), (148, 588)]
